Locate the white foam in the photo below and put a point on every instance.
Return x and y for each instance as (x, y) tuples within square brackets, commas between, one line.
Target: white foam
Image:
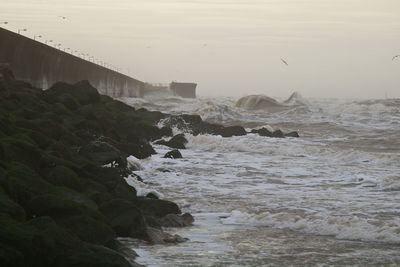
[(342, 227)]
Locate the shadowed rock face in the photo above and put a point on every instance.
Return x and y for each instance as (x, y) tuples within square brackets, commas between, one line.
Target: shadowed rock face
[(59, 206)]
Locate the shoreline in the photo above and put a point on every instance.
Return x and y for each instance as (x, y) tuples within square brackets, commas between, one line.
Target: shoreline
[(63, 163)]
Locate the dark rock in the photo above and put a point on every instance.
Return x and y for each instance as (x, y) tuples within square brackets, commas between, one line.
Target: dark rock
[(7, 206), (152, 195), (83, 92), (292, 134), (173, 154), (232, 131), (178, 142), (156, 207), (166, 131), (125, 218), (95, 256), (278, 134), (124, 190), (157, 236), (174, 220), (140, 150), (263, 132), (63, 176), (103, 153)]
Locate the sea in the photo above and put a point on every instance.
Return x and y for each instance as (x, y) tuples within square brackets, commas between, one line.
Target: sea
[(328, 198)]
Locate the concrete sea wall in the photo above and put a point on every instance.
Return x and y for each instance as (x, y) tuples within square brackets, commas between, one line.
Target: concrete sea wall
[(43, 65)]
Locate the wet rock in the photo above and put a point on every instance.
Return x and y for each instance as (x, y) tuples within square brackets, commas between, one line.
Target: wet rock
[(173, 154), (152, 195), (178, 141), (278, 134), (156, 207), (262, 132), (157, 236), (125, 218), (232, 131), (292, 134), (103, 153), (174, 220)]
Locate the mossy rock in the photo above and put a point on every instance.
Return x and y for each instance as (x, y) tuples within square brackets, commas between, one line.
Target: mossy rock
[(97, 256), (7, 206), (38, 242), (89, 229), (64, 176), (86, 223), (125, 218), (40, 139), (21, 151), (156, 207)]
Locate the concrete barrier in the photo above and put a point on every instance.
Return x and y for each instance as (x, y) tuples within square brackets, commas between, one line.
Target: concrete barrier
[(43, 65)]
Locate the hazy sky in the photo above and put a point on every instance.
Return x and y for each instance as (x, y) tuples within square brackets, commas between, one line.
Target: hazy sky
[(335, 48)]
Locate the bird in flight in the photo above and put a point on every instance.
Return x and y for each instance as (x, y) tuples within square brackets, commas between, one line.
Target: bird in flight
[(285, 62), (393, 58)]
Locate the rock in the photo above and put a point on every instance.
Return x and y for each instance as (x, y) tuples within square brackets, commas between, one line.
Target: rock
[(63, 176), (178, 142), (173, 154), (157, 236), (140, 150), (125, 218), (103, 153), (278, 134), (156, 207), (262, 132), (95, 256), (292, 134), (152, 195), (83, 92), (174, 220), (232, 131)]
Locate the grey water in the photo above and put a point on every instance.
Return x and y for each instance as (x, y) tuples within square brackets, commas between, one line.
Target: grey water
[(328, 198)]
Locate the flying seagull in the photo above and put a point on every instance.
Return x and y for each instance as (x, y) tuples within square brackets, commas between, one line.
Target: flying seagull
[(393, 58), (285, 62)]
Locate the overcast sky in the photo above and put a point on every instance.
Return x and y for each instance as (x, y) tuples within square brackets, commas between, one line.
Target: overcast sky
[(334, 48)]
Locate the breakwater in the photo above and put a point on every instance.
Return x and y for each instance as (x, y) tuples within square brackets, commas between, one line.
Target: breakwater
[(43, 65)]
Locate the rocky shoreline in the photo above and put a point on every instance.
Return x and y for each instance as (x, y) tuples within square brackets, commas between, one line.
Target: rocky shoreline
[(63, 162)]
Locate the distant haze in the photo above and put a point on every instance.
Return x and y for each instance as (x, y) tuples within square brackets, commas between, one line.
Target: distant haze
[(334, 48)]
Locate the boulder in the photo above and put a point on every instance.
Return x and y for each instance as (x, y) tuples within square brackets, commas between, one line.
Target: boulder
[(292, 134), (262, 132), (173, 154), (125, 218), (174, 220), (232, 131), (278, 134), (156, 207), (157, 236), (103, 153), (178, 142)]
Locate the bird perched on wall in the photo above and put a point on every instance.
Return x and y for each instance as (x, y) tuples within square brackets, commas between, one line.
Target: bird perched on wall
[(284, 61), (396, 56)]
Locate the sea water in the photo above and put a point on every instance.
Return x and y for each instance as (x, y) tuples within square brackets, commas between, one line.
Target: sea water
[(330, 197)]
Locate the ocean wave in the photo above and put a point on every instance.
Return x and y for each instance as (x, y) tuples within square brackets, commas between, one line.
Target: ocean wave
[(263, 102), (349, 227)]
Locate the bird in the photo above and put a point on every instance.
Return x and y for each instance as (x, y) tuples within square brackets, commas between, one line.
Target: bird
[(285, 62), (393, 58)]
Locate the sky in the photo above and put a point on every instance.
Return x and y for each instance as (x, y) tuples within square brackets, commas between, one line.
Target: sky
[(334, 48)]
